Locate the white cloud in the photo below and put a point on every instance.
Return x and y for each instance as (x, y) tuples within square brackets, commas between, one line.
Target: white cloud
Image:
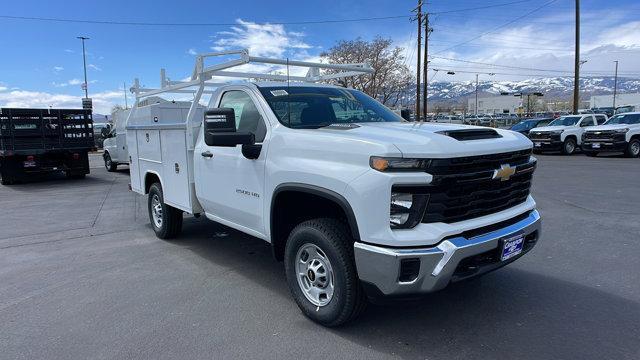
[(69, 51), (261, 39), (192, 51), (67, 83), (57, 69), (94, 67), (540, 45), (102, 102)]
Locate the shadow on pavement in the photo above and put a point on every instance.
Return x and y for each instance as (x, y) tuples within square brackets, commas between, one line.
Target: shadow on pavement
[(507, 314)]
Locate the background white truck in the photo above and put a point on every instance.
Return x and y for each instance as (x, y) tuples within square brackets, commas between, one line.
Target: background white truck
[(621, 133), (355, 201), (564, 134), (115, 141)]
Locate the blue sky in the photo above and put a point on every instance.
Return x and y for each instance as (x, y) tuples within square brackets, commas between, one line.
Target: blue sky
[(41, 63)]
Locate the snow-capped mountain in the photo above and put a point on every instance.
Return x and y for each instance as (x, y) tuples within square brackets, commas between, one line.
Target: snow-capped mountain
[(555, 87)]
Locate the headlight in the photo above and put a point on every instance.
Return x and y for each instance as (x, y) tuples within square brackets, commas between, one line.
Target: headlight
[(557, 132), (398, 164), (621, 131), (406, 209)]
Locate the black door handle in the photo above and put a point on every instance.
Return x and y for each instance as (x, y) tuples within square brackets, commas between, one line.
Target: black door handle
[(207, 154)]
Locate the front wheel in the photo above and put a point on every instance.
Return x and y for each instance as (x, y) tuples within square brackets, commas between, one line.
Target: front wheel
[(109, 164), (633, 148), (321, 272), (569, 146), (165, 220)]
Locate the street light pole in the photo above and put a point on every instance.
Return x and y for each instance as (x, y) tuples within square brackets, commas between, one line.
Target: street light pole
[(84, 62), (576, 80), (615, 87), (476, 95)]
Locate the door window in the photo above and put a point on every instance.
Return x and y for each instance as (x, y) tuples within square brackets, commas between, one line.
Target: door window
[(587, 121), (248, 117), (601, 119)]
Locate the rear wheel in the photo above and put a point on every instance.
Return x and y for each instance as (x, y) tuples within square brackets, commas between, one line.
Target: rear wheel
[(633, 148), (7, 180), (109, 164), (569, 146), (165, 220), (321, 272)]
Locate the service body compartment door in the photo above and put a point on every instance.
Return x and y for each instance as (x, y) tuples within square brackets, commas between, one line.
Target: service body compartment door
[(134, 165), (175, 171)]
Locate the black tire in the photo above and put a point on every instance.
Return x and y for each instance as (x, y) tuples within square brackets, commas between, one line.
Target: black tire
[(633, 149), (569, 146), (170, 225), (7, 180), (109, 164), (333, 238)]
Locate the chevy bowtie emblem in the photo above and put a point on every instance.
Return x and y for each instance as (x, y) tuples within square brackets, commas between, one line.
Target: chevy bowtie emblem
[(504, 173)]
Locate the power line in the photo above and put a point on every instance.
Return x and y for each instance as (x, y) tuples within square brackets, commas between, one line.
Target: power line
[(135, 23), (304, 22), (501, 26), (478, 7)]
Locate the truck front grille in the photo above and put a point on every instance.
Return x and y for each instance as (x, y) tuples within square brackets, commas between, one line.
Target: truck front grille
[(544, 136), (465, 188), (603, 136)]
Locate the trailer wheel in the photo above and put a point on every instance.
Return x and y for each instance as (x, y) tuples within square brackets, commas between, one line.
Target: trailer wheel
[(109, 164), (321, 272), (165, 220), (7, 180)]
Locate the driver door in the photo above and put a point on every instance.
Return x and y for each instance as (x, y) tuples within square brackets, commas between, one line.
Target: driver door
[(230, 186)]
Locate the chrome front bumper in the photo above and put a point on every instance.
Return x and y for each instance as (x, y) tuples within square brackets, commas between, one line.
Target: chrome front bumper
[(441, 264)]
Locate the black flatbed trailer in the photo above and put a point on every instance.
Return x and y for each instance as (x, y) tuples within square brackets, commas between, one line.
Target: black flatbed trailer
[(37, 141)]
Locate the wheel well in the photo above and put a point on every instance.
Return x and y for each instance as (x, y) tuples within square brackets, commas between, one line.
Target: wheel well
[(105, 154), (574, 137), (290, 207), (149, 179), (636, 136)]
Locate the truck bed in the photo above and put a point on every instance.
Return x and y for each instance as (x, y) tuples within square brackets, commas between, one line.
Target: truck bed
[(36, 131)]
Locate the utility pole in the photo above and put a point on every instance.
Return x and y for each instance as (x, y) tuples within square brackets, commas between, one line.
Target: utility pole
[(124, 87), (419, 9), (84, 62), (427, 31), (576, 80), (615, 87), (476, 95)]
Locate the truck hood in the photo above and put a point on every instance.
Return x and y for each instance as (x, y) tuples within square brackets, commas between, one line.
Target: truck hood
[(426, 139), (610, 127), (551, 128)]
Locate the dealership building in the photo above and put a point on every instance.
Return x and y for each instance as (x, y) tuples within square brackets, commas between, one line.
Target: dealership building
[(607, 100), (496, 105)]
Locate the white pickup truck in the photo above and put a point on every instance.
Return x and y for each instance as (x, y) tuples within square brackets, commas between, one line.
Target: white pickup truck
[(564, 134), (621, 133), (357, 202)]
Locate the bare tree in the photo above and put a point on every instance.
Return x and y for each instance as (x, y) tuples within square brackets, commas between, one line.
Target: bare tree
[(391, 77)]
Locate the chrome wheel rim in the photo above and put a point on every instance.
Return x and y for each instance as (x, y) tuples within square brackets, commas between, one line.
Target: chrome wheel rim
[(635, 148), (107, 162), (156, 210), (314, 274), (570, 147)]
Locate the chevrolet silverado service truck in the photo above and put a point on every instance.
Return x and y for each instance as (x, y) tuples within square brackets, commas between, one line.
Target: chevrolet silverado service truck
[(357, 202)]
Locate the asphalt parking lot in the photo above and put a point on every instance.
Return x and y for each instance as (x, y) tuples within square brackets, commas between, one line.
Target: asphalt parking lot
[(83, 276)]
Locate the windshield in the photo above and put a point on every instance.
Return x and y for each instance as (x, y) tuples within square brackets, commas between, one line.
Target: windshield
[(565, 121), (624, 119), (523, 125), (313, 107), (625, 109)]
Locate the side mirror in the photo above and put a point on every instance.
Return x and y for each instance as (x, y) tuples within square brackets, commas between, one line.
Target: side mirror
[(220, 129), (105, 132)]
